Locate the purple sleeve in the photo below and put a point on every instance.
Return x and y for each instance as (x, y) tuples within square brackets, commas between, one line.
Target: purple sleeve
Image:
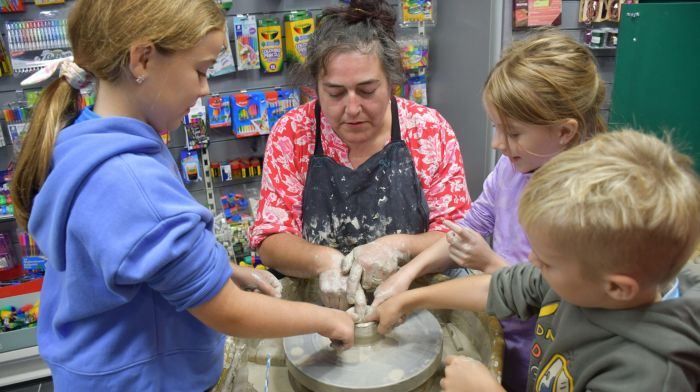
[(481, 216)]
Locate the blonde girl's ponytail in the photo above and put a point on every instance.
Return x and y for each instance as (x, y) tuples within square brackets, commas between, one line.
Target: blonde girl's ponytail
[(56, 108)]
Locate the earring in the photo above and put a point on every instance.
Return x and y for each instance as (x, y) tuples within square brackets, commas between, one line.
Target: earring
[(140, 79)]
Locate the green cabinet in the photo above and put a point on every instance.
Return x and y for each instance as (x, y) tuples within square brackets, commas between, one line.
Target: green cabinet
[(657, 72)]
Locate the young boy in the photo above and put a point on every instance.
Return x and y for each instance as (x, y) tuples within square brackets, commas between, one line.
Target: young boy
[(611, 223)]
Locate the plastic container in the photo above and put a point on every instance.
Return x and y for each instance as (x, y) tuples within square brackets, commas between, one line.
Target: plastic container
[(10, 267), (20, 338)]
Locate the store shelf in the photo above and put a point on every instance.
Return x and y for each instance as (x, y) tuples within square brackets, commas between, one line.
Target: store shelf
[(7, 218), (603, 51), (22, 362), (199, 186), (22, 365), (237, 181)]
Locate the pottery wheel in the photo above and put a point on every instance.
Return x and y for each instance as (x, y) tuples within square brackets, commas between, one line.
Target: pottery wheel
[(399, 361)]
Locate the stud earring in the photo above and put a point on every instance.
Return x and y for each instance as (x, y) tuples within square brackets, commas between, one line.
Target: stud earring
[(140, 79)]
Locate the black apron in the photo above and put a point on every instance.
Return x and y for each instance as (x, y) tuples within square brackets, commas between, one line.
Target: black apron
[(343, 208)]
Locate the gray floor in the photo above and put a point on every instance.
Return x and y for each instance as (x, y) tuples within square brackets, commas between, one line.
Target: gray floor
[(41, 385)]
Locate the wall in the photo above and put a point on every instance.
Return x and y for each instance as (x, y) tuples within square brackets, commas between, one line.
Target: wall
[(570, 25), (463, 47)]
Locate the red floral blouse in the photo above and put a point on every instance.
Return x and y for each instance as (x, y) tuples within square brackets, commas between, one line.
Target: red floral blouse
[(429, 138)]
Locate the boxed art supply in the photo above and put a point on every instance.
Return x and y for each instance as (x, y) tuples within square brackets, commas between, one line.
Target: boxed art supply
[(280, 102), (529, 13), (34, 43), (219, 111), (10, 267), (270, 37), (191, 170), (17, 119), (414, 52), (224, 62), (298, 27), (250, 114), (246, 34), (414, 12)]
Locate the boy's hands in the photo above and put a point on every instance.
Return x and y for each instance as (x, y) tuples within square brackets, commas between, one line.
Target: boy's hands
[(468, 249), (463, 374)]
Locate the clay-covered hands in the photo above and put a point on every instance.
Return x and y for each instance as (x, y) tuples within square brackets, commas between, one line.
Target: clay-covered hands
[(389, 315), (463, 374), (468, 249), (333, 283), (393, 285), (360, 310), (369, 265), (342, 329), (253, 279)]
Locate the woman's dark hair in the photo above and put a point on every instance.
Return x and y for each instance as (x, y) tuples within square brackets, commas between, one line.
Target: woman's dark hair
[(365, 26)]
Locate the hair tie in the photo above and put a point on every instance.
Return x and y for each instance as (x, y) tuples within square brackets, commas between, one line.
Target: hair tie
[(77, 77)]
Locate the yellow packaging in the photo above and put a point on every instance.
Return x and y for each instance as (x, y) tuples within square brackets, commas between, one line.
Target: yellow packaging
[(270, 39), (298, 27)]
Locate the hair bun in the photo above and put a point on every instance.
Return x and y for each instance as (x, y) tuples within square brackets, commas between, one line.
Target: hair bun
[(378, 11)]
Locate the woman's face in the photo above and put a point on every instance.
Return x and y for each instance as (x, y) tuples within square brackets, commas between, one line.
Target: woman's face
[(354, 94)]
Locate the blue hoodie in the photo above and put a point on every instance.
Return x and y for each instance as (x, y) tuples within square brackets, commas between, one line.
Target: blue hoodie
[(130, 250)]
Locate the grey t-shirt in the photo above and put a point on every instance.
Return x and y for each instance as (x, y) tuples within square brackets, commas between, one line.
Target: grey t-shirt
[(651, 348)]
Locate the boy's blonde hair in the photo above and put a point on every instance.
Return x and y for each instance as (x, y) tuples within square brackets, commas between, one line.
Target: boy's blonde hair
[(624, 202), (101, 33), (545, 79)]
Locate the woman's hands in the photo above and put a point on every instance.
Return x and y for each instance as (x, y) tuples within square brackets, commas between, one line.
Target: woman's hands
[(370, 264), (367, 267), (332, 282), (247, 278)]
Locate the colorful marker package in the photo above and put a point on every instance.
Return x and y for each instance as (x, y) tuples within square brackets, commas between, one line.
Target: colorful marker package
[(280, 102), (246, 34), (219, 111), (250, 114)]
